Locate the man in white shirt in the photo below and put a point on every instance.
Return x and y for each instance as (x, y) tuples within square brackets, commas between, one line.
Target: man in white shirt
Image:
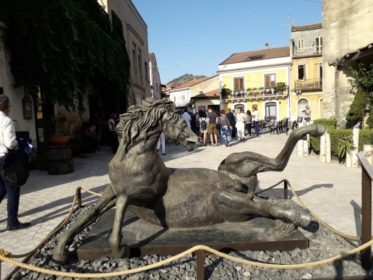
[(8, 142), (186, 117)]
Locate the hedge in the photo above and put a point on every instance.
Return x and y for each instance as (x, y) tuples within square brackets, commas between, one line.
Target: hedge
[(365, 138)]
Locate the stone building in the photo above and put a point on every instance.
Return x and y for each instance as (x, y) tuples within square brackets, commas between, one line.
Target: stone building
[(348, 37), (306, 77), (135, 32), (22, 106), (155, 78)]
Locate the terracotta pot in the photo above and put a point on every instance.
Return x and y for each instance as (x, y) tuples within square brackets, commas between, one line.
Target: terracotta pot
[(59, 139)]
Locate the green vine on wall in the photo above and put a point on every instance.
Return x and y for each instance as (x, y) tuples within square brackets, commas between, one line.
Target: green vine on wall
[(62, 45), (362, 81)]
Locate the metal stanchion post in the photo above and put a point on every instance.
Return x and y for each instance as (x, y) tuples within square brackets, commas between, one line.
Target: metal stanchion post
[(200, 254), (285, 189), (79, 196)]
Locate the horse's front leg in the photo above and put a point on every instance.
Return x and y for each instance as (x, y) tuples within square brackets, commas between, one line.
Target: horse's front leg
[(119, 250)]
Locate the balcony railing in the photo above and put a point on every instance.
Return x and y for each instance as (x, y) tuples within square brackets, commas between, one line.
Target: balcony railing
[(308, 85), (261, 94)]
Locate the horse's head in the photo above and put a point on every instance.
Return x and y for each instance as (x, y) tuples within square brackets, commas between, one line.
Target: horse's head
[(175, 129)]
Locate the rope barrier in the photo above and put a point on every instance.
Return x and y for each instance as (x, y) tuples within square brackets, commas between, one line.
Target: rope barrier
[(178, 256), (318, 219), (91, 192), (9, 258)]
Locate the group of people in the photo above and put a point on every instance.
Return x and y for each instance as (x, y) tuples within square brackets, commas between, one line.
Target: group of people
[(226, 125)]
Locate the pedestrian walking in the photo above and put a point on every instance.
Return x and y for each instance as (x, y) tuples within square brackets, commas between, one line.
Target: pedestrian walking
[(161, 145), (8, 144), (240, 124), (225, 128), (248, 122), (255, 117), (202, 123), (232, 121), (186, 117), (212, 120), (113, 138)]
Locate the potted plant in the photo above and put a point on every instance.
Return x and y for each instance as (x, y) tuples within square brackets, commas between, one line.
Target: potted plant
[(65, 124), (279, 87), (226, 93)]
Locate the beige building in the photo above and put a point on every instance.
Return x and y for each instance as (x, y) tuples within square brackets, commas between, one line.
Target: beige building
[(206, 94), (348, 37), (306, 70), (135, 32)]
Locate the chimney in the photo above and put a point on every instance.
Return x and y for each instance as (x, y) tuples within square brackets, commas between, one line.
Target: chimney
[(266, 45)]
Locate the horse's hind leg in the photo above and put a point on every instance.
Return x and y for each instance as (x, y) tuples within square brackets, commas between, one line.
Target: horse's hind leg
[(60, 254), (119, 250), (237, 206)]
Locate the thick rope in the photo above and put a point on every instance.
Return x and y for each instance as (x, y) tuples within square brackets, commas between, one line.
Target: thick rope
[(183, 254), (56, 229), (318, 219), (9, 258)]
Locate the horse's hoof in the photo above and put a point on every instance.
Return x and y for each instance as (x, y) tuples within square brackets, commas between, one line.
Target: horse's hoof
[(122, 252), (303, 218)]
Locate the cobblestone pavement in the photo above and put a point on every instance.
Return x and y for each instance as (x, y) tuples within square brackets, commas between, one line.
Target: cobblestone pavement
[(331, 190)]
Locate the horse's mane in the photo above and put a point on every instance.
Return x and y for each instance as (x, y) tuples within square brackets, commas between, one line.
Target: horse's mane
[(142, 118)]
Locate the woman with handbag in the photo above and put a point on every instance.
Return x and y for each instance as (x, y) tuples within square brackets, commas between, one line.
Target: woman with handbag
[(8, 143)]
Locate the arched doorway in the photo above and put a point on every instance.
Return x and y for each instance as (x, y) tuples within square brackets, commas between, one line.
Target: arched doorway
[(302, 103)]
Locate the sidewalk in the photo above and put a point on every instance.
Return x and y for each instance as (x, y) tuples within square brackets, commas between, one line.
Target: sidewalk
[(330, 190)]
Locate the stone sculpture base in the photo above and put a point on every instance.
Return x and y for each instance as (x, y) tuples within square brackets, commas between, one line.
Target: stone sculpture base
[(146, 239)]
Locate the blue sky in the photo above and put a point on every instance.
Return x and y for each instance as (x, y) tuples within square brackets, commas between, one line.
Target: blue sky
[(195, 36)]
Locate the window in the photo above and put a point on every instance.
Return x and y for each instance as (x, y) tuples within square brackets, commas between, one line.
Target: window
[(135, 72), (301, 72), (269, 80), (238, 85), (300, 45), (320, 73), (139, 61), (271, 111), (146, 71), (318, 44)]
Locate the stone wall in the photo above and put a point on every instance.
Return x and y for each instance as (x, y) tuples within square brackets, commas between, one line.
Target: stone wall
[(347, 27), (15, 94)]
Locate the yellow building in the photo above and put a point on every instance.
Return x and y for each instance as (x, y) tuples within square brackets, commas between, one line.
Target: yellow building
[(306, 73), (257, 78)]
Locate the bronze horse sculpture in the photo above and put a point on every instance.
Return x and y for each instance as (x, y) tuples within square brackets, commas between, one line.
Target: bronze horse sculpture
[(194, 197)]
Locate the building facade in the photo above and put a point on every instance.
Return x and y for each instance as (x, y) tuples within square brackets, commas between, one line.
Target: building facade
[(22, 111), (181, 94), (135, 32), (347, 28), (306, 72), (206, 94), (258, 78), (154, 77)]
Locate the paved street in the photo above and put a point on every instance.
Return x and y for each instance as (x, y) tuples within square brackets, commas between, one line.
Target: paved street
[(330, 190)]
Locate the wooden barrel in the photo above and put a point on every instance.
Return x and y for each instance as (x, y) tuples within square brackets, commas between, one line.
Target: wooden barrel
[(60, 160)]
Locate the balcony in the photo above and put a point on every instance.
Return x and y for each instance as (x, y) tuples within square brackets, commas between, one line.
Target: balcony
[(308, 85), (255, 95)]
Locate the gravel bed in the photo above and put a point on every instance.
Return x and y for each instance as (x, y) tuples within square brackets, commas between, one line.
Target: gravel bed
[(323, 244)]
